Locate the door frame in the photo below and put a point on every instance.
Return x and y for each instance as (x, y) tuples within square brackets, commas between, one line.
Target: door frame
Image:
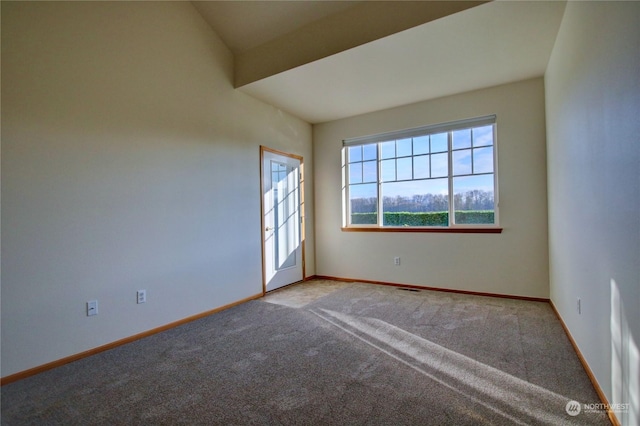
[(302, 224)]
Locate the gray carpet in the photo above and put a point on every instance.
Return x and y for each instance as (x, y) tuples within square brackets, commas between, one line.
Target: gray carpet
[(360, 355)]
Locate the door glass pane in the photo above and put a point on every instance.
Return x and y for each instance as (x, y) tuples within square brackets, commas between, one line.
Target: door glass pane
[(286, 195)]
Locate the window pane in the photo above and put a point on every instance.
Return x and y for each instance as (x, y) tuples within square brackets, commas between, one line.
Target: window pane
[(473, 199), (370, 171), (462, 162), (403, 147), (421, 145), (439, 143), (405, 168), (439, 165), (355, 154), (421, 167), (461, 138), (388, 149), (363, 200), (416, 203), (388, 170), (483, 136), (370, 152), (483, 160), (355, 173)]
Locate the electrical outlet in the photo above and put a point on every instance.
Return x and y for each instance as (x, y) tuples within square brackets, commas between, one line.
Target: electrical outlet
[(579, 306), (396, 261), (92, 308), (142, 296)]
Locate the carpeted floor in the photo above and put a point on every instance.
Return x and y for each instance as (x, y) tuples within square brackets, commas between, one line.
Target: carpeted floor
[(323, 353)]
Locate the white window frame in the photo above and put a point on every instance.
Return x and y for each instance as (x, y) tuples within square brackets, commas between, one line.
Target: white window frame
[(448, 127)]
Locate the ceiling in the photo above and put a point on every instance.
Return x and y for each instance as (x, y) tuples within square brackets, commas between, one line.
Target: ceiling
[(243, 25), (482, 46)]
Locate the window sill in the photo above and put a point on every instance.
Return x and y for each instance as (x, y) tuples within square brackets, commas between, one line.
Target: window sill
[(470, 230)]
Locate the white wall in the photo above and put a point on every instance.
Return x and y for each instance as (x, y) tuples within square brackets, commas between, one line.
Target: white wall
[(128, 162), (593, 117), (514, 262)]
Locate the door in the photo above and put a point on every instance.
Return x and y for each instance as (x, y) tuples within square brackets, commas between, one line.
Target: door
[(282, 233)]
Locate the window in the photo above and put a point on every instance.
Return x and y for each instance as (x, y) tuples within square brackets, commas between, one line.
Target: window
[(435, 177)]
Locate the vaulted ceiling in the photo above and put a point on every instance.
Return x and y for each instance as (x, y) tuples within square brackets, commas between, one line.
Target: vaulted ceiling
[(326, 60)]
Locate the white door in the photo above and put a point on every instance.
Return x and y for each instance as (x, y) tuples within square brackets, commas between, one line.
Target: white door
[(281, 218)]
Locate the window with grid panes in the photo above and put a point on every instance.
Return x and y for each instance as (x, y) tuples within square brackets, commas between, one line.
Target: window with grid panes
[(435, 176)]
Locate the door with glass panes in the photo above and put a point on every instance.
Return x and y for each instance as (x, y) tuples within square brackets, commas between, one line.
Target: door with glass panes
[(282, 219)]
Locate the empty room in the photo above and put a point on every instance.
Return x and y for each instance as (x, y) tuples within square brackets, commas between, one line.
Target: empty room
[(320, 212)]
